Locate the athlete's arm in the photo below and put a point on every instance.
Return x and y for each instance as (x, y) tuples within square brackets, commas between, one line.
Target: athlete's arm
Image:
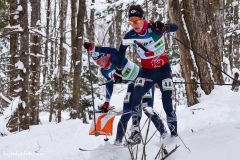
[(122, 52), (109, 87), (108, 50), (169, 28)]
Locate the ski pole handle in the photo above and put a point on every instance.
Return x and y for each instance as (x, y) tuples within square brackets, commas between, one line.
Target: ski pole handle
[(141, 46), (147, 52)]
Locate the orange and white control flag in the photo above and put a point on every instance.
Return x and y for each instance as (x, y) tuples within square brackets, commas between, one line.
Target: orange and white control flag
[(104, 124)]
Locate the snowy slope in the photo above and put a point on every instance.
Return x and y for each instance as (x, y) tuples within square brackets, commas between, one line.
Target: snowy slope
[(209, 129)]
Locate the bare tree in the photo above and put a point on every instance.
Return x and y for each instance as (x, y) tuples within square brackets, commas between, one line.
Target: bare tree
[(78, 60), (75, 105), (13, 48), (62, 13), (14, 58), (46, 48), (24, 72), (53, 61), (118, 22), (90, 24), (35, 62)]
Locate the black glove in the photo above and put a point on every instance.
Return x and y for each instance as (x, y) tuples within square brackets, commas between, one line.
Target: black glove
[(158, 25), (87, 45), (118, 76)]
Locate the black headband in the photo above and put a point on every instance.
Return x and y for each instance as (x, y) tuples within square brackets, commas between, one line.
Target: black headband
[(136, 12)]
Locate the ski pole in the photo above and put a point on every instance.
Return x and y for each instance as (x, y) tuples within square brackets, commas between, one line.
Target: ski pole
[(202, 83), (203, 58), (89, 66), (112, 82)]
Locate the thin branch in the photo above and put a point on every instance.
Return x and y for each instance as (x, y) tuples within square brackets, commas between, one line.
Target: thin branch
[(160, 151), (39, 147), (50, 135), (170, 152)]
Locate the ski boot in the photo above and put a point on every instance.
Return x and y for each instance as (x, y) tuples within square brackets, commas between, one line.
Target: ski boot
[(117, 143), (135, 137)]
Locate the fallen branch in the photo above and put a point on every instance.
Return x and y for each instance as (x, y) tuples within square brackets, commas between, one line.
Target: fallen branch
[(170, 152)]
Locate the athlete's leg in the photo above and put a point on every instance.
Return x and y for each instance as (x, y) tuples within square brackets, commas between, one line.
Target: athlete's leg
[(122, 124), (147, 104), (166, 86), (141, 87)]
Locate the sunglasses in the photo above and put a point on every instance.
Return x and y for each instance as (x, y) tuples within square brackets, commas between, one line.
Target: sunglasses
[(136, 21)]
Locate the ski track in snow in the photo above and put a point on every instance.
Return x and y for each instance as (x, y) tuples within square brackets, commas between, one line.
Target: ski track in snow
[(209, 129)]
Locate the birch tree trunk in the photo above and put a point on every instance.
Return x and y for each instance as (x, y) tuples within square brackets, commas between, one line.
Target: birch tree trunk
[(24, 72)]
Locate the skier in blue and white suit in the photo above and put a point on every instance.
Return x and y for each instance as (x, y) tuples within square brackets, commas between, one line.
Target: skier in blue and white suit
[(155, 65), (106, 58)]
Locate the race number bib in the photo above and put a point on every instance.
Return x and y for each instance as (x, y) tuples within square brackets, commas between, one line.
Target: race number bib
[(167, 84), (148, 94), (139, 82), (127, 97)]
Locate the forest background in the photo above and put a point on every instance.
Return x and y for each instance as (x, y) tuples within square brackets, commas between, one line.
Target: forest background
[(44, 67)]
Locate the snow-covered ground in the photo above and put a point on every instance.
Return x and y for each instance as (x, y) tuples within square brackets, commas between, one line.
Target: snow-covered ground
[(209, 129)]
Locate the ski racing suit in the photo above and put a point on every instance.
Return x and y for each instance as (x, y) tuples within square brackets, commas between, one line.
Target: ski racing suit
[(129, 72), (155, 69)]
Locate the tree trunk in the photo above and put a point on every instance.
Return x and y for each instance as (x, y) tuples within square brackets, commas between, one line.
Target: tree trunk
[(188, 69), (200, 17), (14, 58), (118, 21), (35, 63), (78, 58), (75, 105), (90, 24), (53, 61), (111, 31), (228, 29), (61, 58), (13, 49), (64, 8), (216, 49), (46, 48), (236, 37), (24, 73)]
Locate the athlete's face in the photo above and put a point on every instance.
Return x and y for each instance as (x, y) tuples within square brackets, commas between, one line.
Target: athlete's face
[(104, 61), (136, 23)]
